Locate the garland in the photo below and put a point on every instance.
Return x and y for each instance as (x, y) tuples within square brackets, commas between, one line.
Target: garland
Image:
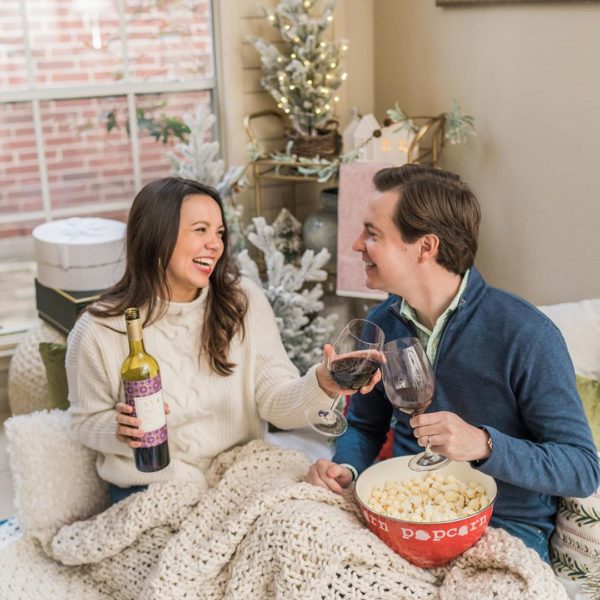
[(457, 129)]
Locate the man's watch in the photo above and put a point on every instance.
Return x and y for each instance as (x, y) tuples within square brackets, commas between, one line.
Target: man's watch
[(352, 470), (490, 445), (489, 442)]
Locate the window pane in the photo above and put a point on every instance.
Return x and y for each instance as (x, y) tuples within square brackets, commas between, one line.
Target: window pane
[(86, 164), (154, 155), (20, 188), (18, 229), (12, 48), (169, 41), (74, 42)]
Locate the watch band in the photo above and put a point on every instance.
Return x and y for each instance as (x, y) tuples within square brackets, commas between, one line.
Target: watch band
[(352, 470), (489, 442)]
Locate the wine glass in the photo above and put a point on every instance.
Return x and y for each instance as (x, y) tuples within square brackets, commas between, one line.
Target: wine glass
[(355, 358), (409, 383)]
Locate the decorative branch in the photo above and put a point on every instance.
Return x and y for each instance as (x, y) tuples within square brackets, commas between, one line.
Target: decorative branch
[(198, 159), (457, 128), (162, 128)]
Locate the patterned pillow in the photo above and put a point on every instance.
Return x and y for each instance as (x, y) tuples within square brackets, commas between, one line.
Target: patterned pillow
[(575, 544)]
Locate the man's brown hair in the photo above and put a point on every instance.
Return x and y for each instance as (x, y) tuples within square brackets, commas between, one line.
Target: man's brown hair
[(434, 201)]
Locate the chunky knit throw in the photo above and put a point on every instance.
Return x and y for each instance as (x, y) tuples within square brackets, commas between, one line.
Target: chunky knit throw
[(257, 532)]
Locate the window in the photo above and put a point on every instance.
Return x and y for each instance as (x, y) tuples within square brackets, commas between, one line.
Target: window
[(74, 69)]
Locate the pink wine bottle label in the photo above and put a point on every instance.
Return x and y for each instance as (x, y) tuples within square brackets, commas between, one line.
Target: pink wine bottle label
[(146, 398)]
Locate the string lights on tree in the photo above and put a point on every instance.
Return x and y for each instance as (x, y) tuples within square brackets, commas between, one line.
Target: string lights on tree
[(304, 74)]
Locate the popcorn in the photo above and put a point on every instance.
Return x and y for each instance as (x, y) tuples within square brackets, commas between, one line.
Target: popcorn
[(433, 498)]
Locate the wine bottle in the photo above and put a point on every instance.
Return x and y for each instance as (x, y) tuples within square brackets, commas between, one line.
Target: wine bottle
[(143, 392)]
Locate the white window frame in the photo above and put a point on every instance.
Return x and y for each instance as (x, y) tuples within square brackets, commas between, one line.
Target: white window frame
[(124, 88)]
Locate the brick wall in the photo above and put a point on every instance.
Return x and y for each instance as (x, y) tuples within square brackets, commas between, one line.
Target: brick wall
[(77, 43)]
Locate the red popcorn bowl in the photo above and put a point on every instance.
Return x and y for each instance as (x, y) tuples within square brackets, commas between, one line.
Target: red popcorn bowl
[(430, 544)]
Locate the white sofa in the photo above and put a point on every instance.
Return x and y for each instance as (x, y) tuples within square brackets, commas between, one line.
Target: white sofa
[(79, 493)]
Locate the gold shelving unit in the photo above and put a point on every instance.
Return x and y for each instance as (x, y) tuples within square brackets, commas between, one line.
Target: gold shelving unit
[(277, 170), (428, 129), (269, 169)]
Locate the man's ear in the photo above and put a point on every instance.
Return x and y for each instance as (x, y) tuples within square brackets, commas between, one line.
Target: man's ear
[(429, 245)]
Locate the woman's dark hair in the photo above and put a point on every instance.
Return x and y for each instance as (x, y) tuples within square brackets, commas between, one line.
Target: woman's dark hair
[(152, 231), (434, 201)]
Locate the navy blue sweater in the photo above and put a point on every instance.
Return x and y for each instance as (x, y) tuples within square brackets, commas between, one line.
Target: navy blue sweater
[(503, 365)]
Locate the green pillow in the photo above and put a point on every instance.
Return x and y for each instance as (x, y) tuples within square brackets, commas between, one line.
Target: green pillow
[(53, 357), (589, 392)]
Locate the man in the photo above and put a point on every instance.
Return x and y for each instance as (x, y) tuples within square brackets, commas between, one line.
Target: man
[(505, 395)]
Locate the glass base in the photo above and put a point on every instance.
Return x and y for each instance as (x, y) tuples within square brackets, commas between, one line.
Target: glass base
[(427, 462), (330, 423)]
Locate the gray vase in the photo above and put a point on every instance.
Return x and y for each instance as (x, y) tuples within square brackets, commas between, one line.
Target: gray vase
[(320, 227)]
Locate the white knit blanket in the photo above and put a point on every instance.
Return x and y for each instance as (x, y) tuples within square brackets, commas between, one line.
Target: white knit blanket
[(257, 532)]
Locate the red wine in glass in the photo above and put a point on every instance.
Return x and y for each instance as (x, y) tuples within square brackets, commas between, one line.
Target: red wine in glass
[(355, 359), (413, 402), (353, 370), (409, 384)]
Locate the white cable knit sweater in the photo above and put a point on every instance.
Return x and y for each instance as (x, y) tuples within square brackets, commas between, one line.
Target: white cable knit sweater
[(209, 413)]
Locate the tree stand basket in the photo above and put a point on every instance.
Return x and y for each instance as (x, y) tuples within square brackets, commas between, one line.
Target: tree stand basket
[(327, 143)]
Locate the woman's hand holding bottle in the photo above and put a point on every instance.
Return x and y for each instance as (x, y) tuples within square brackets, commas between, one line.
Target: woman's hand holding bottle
[(128, 430)]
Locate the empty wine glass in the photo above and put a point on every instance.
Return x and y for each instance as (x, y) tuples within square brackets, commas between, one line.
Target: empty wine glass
[(355, 358), (409, 384)]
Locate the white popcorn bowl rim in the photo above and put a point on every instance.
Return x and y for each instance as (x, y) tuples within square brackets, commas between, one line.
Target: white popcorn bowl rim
[(397, 469)]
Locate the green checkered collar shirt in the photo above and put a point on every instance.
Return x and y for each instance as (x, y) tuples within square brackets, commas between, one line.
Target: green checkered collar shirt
[(430, 339)]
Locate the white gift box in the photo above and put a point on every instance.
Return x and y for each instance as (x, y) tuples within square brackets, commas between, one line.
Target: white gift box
[(80, 254), (363, 132)]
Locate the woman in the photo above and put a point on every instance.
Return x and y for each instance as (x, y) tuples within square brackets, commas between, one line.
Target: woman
[(223, 366)]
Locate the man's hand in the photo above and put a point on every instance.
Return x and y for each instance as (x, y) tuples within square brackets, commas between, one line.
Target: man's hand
[(450, 436), (329, 475), (329, 386)]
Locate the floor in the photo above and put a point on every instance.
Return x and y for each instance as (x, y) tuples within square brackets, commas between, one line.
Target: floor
[(7, 506)]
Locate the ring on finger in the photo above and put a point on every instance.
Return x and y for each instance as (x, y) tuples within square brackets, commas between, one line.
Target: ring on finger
[(428, 440)]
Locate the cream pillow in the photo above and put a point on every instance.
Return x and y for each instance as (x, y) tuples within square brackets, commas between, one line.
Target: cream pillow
[(54, 475), (579, 323)]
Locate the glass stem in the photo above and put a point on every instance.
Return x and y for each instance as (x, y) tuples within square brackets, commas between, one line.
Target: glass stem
[(326, 415), (427, 453), (335, 402)]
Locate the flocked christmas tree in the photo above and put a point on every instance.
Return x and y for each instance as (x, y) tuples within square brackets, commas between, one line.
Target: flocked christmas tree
[(304, 75), (303, 330), (287, 232), (198, 159), (296, 307)]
